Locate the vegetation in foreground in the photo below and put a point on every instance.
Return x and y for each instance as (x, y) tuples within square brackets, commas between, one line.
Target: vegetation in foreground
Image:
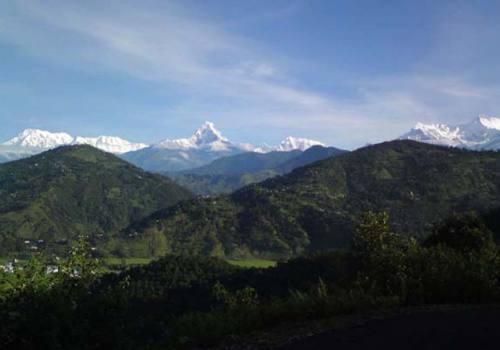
[(182, 301)]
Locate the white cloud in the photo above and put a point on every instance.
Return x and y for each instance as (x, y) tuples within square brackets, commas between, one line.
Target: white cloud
[(184, 52), (162, 46)]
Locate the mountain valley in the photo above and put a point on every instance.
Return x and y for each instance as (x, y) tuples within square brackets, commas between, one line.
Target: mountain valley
[(316, 206)]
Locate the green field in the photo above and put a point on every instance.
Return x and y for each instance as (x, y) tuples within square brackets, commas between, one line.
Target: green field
[(259, 263), (127, 261), (248, 263)]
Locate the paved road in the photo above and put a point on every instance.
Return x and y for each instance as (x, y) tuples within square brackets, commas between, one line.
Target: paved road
[(476, 328)]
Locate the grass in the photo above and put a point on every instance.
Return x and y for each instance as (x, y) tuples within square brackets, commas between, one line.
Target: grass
[(127, 261), (209, 328), (248, 263)]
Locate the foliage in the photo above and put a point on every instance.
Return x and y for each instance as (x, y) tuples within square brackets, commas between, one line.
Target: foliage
[(260, 263), (466, 232), (459, 263), (374, 234), (207, 328), (316, 207), (228, 174), (40, 308), (245, 297), (185, 300), (309, 156), (51, 198), (245, 163), (216, 184)]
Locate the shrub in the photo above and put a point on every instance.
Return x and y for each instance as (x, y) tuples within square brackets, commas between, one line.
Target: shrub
[(462, 232)]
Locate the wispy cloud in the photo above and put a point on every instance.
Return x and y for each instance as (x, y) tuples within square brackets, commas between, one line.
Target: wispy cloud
[(205, 61), (165, 46)]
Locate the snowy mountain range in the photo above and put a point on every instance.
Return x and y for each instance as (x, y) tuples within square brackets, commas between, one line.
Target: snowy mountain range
[(296, 143), (209, 138), (35, 139), (481, 133), (206, 137), (206, 144)]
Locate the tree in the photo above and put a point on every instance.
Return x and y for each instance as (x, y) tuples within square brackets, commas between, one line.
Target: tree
[(382, 254), (373, 233), (461, 232)]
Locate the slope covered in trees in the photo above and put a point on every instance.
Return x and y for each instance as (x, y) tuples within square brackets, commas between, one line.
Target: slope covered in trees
[(315, 207), (309, 156), (50, 198), (248, 162), (227, 174)]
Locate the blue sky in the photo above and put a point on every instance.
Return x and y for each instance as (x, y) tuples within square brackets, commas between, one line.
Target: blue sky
[(343, 72)]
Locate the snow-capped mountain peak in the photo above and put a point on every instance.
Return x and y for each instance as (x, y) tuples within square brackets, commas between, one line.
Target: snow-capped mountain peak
[(205, 137), (434, 133), (482, 132), (296, 143), (265, 148), (204, 145), (110, 144), (207, 133), (488, 122), (36, 138)]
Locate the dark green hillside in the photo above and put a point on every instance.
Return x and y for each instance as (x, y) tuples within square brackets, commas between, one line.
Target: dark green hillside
[(159, 159), (228, 174), (309, 156), (249, 162), (193, 302), (213, 185), (315, 207), (73, 190)]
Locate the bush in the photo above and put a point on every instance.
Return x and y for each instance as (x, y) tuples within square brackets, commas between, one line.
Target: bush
[(185, 300), (465, 233), (319, 301)]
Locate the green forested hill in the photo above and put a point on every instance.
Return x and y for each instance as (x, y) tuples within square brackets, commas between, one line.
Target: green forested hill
[(227, 174), (213, 185), (315, 207), (73, 190), (309, 156), (244, 163)]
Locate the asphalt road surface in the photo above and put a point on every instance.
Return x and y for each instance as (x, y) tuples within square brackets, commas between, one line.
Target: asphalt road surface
[(475, 328)]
